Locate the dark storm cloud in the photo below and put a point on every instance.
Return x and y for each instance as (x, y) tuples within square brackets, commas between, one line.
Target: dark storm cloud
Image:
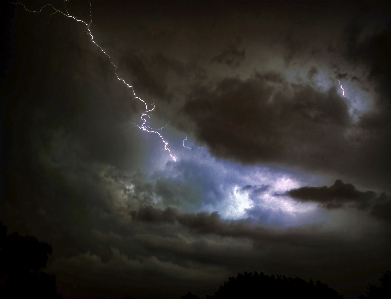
[(254, 121), (151, 214), (151, 73), (265, 119), (232, 55), (312, 72), (67, 116), (381, 209), (372, 51), (291, 47), (75, 177), (341, 195), (342, 76), (211, 224), (334, 196), (305, 248), (202, 222)]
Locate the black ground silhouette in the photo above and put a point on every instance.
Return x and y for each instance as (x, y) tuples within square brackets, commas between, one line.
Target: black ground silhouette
[(21, 262), (259, 285), (381, 292)]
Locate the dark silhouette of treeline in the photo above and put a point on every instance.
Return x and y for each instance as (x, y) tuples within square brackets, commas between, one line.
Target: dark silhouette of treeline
[(256, 285), (381, 292), (22, 260)]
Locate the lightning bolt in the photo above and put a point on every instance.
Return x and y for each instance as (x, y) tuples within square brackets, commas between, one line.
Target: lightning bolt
[(145, 115), (343, 90), (187, 147), (183, 143)]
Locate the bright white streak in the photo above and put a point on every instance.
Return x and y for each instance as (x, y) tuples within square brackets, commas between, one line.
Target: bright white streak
[(187, 147), (183, 142), (343, 90), (145, 114)]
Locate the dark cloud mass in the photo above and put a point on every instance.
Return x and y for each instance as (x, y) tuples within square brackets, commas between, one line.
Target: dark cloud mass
[(232, 55), (253, 121), (382, 208), (334, 196), (264, 104), (340, 195)]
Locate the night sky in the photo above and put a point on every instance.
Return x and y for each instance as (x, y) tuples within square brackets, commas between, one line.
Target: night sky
[(277, 115)]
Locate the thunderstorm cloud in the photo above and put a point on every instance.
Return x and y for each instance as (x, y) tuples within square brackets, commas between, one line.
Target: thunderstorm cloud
[(278, 114)]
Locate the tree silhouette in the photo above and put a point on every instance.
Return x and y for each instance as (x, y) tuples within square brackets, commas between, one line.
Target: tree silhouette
[(21, 262), (258, 285), (381, 292)]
